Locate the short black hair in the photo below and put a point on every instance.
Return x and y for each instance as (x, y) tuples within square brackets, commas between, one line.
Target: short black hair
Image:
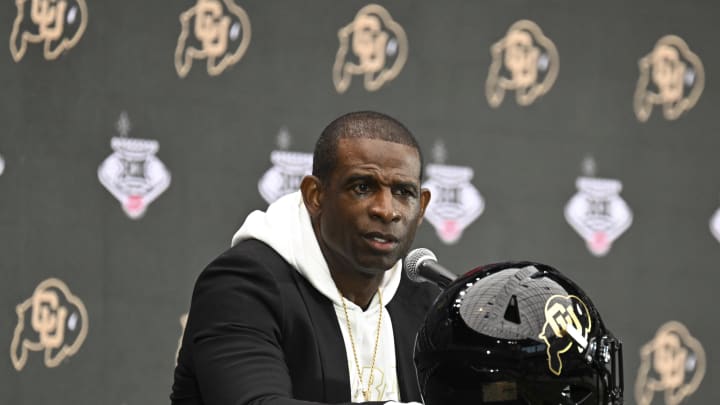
[(358, 125)]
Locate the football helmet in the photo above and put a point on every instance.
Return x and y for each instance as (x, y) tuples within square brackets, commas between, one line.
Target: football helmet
[(517, 333)]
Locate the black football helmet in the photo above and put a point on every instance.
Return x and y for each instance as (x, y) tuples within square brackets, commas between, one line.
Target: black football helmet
[(517, 334)]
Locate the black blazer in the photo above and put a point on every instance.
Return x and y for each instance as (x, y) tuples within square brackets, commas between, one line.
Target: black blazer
[(259, 332)]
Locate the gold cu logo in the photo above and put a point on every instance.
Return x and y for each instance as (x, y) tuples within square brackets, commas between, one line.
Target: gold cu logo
[(673, 362), (53, 320), (213, 32), (567, 324), (526, 61), (672, 76), (372, 45), (58, 24)]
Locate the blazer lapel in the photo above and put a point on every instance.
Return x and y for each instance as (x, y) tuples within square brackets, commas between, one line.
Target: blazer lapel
[(330, 343), (404, 329)]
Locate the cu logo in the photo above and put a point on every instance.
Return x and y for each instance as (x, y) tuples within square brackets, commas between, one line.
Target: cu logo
[(214, 30), (52, 321), (671, 76), (373, 46), (57, 24), (524, 61), (673, 363), (567, 325)]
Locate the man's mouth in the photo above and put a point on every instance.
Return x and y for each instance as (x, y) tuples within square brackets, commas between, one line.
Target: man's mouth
[(380, 241)]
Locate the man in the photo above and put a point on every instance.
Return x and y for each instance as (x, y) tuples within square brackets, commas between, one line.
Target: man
[(310, 305)]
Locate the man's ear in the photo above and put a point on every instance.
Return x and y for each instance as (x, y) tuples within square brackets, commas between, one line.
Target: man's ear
[(311, 189), (424, 201)]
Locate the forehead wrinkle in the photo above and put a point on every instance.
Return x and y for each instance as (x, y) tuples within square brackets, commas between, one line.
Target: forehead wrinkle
[(352, 153), (345, 148), (391, 178)]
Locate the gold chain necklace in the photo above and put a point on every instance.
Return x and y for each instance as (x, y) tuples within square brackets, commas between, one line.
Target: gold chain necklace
[(366, 393)]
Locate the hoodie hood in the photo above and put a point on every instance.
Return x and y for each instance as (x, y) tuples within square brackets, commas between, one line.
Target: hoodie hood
[(286, 228)]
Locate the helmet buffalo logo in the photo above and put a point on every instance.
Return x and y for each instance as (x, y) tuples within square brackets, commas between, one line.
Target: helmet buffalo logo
[(57, 24), (220, 34), (372, 45), (673, 362), (567, 324), (672, 76), (526, 61), (53, 320)]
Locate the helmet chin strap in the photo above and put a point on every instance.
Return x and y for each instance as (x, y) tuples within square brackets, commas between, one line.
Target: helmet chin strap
[(606, 354), (617, 384)]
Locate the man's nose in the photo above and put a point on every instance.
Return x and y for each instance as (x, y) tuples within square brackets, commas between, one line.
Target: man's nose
[(383, 206)]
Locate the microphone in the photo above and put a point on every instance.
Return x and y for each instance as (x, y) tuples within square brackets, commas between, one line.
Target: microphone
[(421, 265)]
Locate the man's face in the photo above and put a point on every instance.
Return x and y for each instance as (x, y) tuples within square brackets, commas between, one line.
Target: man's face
[(371, 205)]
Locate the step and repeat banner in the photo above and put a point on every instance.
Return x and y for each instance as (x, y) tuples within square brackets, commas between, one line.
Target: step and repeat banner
[(136, 136)]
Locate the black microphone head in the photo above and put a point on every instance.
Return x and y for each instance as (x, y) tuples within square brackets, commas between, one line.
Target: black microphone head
[(411, 263)]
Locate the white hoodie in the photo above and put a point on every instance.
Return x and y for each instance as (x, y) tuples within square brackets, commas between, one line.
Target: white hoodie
[(286, 228)]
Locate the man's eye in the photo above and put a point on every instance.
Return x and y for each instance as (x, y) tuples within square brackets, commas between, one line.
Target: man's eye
[(405, 192), (361, 188)]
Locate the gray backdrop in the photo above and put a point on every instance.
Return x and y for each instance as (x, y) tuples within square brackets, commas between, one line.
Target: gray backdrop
[(216, 133)]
